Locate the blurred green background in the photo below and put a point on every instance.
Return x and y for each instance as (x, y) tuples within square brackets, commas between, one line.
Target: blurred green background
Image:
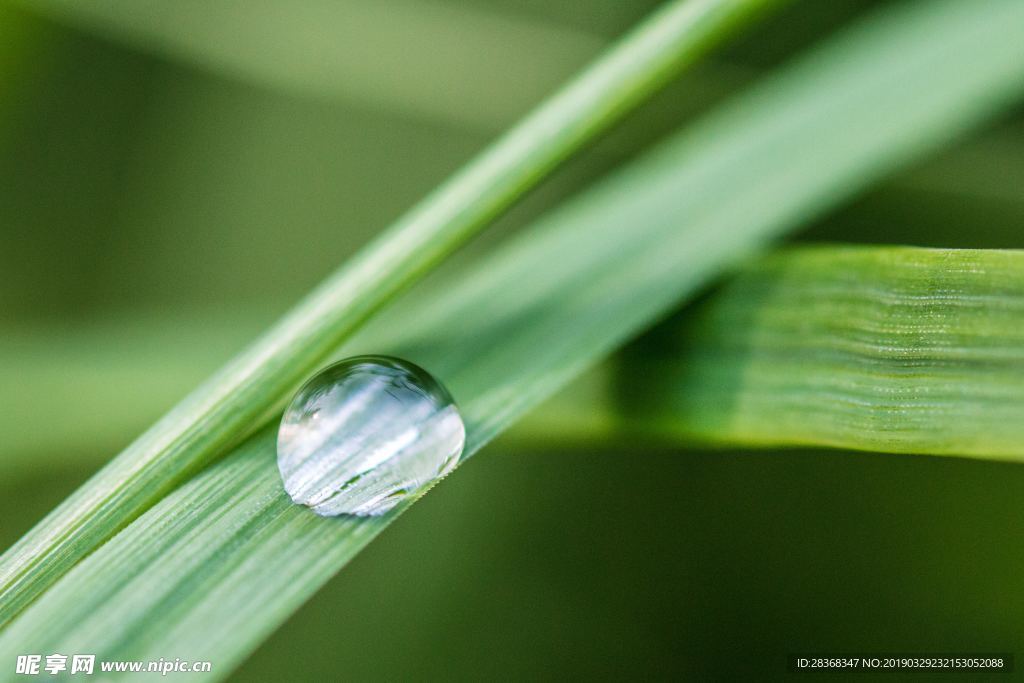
[(173, 176)]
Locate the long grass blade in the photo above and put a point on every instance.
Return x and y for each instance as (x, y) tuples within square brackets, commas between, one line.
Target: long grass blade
[(221, 561)]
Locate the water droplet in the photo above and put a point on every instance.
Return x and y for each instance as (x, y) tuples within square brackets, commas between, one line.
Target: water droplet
[(364, 434)]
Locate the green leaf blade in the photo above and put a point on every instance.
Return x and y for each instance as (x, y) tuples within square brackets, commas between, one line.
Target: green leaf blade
[(886, 349)]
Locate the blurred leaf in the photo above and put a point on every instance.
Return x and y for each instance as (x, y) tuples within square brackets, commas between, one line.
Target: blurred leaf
[(890, 349), (423, 58), (221, 561), (237, 399), (106, 379), (432, 60), (972, 183)]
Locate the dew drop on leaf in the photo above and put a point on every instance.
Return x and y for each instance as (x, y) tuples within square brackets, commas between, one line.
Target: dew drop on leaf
[(366, 433)]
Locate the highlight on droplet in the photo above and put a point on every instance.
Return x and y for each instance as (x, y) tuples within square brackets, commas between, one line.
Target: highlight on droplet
[(366, 433)]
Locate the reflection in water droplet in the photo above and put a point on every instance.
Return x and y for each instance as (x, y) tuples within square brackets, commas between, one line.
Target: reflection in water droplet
[(366, 433)]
